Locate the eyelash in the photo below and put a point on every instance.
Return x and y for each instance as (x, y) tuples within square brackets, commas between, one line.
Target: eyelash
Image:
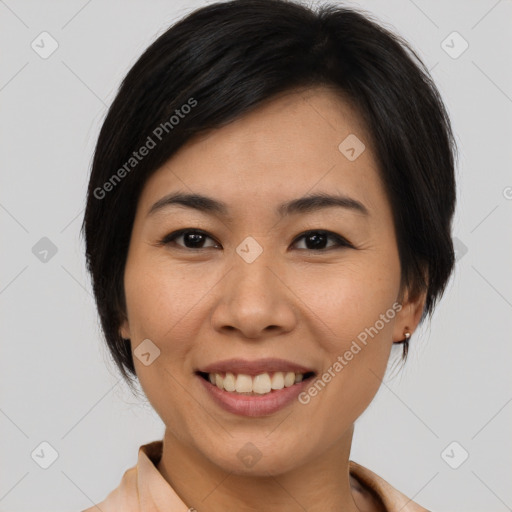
[(340, 241)]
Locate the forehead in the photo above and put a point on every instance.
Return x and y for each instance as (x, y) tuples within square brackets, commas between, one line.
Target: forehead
[(286, 148)]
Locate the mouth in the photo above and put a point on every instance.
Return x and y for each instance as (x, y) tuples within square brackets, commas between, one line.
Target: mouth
[(253, 388), (261, 384)]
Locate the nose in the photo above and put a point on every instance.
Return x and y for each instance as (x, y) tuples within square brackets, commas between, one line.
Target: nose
[(255, 301)]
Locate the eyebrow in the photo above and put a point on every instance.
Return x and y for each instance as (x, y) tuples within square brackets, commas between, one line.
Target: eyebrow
[(305, 204)]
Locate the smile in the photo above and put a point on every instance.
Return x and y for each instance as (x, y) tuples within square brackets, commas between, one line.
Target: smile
[(269, 393), (260, 384)]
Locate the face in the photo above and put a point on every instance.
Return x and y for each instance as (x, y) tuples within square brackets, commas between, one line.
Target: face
[(258, 282)]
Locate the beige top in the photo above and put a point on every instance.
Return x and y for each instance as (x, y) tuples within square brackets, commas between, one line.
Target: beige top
[(144, 489)]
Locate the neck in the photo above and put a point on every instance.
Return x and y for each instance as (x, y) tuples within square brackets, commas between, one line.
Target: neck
[(321, 484)]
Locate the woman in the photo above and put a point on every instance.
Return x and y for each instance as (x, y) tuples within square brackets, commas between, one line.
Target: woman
[(269, 211)]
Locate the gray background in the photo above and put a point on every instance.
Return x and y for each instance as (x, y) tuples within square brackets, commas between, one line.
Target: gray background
[(57, 382)]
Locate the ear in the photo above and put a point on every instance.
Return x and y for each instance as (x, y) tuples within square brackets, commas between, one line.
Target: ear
[(408, 318), (124, 329)]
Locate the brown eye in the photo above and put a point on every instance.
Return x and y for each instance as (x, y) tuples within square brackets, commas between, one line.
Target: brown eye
[(192, 238), (317, 240)]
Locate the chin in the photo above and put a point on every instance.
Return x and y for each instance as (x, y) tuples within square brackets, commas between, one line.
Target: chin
[(256, 456)]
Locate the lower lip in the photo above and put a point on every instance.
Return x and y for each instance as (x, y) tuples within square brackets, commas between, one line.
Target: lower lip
[(246, 405)]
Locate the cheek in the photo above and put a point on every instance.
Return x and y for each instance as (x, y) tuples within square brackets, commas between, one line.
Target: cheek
[(160, 298), (349, 298), (162, 305), (166, 304), (356, 306)]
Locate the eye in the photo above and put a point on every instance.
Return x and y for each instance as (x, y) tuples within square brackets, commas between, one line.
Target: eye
[(192, 238), (315, 239)]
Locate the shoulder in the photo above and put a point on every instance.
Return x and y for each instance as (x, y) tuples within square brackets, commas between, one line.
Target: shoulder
[(383, 493), (124, 497), (142, 487)]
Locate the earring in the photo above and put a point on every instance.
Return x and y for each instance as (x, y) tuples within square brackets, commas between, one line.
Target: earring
[(407, 335)]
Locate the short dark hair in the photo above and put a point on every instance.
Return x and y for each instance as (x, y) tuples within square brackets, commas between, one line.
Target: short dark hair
[(223, 60)]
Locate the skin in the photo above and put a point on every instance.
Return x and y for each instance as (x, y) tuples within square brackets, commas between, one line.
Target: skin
[(203, 305)]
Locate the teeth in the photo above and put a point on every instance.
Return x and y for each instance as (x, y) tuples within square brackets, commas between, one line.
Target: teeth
[(277, 381), (243, 384), (229, 382), (289, 379), (260, 384)]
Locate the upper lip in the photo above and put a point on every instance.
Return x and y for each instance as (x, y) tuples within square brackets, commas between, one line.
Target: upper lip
[(256, 367)]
